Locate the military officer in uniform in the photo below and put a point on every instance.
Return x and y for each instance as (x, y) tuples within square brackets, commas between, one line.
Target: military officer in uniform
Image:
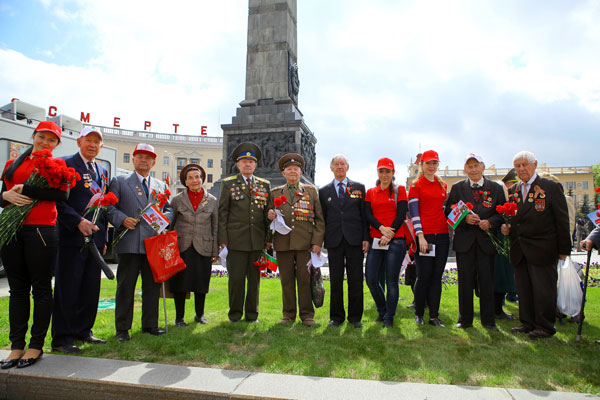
[(244, 230), (303, 214)]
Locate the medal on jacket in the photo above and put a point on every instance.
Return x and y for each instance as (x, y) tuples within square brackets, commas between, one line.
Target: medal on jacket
[(87, 181)]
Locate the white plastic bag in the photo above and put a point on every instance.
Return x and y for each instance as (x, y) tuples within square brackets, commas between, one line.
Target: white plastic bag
[(570, 293)]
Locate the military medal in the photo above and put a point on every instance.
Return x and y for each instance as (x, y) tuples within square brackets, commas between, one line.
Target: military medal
[(540, 205)]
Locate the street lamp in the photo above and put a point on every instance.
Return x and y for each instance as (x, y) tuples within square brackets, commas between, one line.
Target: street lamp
[(173, 178)]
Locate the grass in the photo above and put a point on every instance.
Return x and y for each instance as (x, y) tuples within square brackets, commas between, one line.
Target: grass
[(407, 353)]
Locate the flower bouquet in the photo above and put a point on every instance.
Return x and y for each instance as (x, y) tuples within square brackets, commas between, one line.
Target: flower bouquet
[(158, 199), (48, 173), (507, 210)]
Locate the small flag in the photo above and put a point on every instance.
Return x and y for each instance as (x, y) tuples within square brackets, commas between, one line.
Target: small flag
[(266, 261), (457, 214)]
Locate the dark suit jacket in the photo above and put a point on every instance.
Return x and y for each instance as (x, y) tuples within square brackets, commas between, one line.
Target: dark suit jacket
[(70, 211), (344, 221), (540, 230), (465, 235), (132, 200)]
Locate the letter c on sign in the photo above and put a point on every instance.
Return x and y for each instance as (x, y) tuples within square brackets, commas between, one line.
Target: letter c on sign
[(52, 111)]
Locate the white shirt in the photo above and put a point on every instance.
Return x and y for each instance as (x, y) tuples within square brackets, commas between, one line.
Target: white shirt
[(527, 185), (141, 178), (479, 182)]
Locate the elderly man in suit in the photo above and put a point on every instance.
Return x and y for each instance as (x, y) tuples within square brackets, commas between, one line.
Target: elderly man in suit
[(77, 281), (539, 235), (346, 240), (134, 193), (591, 242), (302, 213), (474, 249), (244, 230)]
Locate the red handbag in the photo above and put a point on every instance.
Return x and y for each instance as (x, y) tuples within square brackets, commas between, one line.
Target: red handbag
[(163, 256)]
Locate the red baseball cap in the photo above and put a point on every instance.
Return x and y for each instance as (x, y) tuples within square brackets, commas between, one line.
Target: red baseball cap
[(49, 126), (144, 148), (430, 155), (385, 163)]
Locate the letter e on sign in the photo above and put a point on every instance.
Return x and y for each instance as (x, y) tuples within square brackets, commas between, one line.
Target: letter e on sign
[(203, 130), (117, 122)]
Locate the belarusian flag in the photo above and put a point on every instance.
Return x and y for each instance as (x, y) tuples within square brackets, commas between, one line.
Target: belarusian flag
[(457, 214), (266, 261)]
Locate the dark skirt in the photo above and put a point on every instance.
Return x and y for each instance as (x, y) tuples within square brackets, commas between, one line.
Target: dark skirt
[(195, 277)]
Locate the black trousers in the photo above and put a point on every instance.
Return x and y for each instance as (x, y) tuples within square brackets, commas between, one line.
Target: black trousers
[(428, 287), (536, 286), (76, 294), (475, 267), (29, 260), (349, 258), (130, 266)]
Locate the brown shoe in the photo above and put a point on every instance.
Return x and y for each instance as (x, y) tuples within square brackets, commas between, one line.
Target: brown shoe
[(308, 322), (285, 321), (521, 329), (539, 334)]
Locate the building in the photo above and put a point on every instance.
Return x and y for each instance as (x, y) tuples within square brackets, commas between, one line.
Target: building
[(577, 180), (174, 151)]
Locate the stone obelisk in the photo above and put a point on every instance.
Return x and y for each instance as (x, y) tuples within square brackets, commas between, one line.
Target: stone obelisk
[(269, 115)]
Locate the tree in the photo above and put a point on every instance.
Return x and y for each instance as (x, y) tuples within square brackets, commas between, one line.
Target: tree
[(596, 170)]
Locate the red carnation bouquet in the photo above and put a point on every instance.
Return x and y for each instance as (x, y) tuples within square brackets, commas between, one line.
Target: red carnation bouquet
[(48, 173), (278, 201), (158, 199), (99, 201), (507, 210)]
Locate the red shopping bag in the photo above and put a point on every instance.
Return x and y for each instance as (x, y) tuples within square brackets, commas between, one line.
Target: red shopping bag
[(163, 256)]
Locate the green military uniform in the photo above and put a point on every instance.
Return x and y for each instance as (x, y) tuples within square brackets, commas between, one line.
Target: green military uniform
[(244, 228), (302, 213)]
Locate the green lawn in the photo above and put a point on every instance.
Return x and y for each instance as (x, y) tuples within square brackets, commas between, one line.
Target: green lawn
[(405, 353)]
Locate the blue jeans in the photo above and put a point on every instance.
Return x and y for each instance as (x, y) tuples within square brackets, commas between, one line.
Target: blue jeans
[(391, 260)]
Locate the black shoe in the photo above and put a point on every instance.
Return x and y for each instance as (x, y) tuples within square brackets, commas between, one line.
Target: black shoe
[(335, 323), (26, 362), (6, 364), (93, 340), (356, 324), (419, 320), (388, 324), (521, 329), (539, 334), (491, 327), (504, 315), (201, 319), (462, 325), (379, 319), (123, 336), (180, 323), (68, 349), (436, 322), (154, 331)]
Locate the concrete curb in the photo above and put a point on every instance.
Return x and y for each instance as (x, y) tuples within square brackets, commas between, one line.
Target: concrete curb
[(71, 377)]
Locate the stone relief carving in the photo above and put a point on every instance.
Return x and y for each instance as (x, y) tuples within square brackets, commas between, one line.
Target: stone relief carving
[(293, 80), (272, 146), (308, 152)]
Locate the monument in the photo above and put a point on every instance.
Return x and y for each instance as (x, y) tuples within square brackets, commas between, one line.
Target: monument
[(269, 114)]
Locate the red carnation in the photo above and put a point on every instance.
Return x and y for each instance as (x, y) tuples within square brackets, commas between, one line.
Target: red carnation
[(168, 192), (500, 209), (469, 205), (597, 190), (283, 199), (108, 199), (277, 201)]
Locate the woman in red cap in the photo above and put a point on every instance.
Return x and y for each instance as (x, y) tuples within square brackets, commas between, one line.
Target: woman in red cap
[(385, 208), (426, 204), (29, 257)]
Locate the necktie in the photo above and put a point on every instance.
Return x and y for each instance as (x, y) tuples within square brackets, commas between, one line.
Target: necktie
[(145, 186), (341, 193), (92, 171), (476, 192)]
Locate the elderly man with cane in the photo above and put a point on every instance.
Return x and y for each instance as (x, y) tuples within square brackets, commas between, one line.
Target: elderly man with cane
[(589, 243)]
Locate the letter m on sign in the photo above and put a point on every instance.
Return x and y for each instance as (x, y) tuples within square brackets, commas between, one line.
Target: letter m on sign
[(85, 117)]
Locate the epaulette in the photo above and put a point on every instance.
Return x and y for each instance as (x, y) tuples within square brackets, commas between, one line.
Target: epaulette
[(230, 178), (278, 187), (309, 186), (262, 179)]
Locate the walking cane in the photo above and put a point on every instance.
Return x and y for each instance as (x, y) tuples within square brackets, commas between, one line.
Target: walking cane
[(165, 307), (581, 317)]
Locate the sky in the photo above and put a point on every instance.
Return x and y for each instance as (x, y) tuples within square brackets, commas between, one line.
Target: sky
[(378, 78)]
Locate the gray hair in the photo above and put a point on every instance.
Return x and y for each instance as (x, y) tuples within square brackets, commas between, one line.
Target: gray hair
[(525, 155), (339, 157)]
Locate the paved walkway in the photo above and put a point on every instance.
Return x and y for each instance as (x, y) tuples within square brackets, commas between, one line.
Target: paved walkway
[(71, 377)]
